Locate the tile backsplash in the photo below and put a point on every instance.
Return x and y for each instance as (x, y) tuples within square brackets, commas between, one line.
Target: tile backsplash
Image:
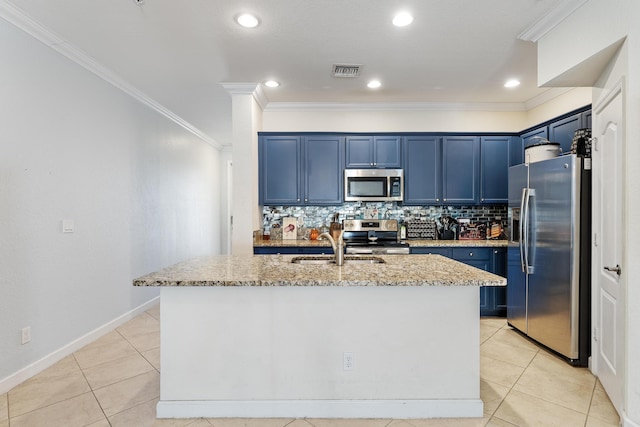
[(309, 217)]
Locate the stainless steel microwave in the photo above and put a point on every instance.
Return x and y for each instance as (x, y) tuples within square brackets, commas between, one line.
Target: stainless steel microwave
[(373, 185)]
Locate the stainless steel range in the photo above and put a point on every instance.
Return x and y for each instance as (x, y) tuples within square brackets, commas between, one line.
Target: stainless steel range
[(373, 236)]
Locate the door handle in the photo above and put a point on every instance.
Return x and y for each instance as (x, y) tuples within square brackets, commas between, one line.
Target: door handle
[(617, 269)]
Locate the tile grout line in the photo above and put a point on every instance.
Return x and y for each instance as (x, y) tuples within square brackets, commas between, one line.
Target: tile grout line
[(92, 391), (511, 388)]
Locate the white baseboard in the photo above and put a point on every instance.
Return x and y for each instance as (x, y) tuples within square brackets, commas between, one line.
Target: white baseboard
[(462, 408), (27, 372)]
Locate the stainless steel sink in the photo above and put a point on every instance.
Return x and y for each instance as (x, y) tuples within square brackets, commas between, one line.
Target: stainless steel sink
[(328, 260)]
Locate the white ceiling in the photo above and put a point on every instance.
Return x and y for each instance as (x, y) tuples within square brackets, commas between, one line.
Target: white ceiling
[(178, 52)]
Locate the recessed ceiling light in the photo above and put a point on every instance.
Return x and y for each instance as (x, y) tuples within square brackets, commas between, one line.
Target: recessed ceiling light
[(402, 19), (512, 83), (374, 84), (247, 20), (271, 83)]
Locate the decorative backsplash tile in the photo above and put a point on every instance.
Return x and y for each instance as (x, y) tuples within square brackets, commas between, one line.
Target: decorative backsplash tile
[(309, 217)]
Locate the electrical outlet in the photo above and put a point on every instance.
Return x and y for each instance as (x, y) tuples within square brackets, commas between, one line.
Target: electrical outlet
[(26, 334), (347, 361)]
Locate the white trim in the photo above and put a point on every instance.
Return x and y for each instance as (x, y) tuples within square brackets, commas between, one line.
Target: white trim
[(400, 106), (21, 20), (402, 409), (546, 97), (626, 422), (549, 21), (38, 366), (253, 89)]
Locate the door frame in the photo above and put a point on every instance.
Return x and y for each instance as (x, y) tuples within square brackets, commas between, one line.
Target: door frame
[(618, 397)]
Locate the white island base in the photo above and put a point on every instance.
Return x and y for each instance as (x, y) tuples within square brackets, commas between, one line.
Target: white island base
[(278, 351)]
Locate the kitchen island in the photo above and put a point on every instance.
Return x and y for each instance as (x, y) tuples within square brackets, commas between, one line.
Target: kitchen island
[(260, 336)]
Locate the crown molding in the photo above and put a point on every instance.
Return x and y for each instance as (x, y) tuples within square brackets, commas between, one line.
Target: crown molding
[(253, 89), (290, 107), (21, 20), (546, 96), (549, 21)]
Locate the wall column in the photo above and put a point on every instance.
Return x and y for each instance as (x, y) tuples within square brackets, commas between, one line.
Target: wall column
[(246, 106)]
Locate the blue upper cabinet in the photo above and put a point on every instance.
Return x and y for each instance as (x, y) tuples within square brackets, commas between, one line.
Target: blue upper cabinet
[(323, 165), (301, 170), (364, 152), (533, 135), (280, 170), (494, 169), (516, 151), (422, 170), (460, 169), (562, 131)]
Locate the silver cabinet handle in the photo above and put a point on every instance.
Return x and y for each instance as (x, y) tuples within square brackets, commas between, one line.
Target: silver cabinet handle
[(470, 253), (617, 269)]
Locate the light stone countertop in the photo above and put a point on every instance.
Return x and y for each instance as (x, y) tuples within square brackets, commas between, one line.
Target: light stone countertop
[(411, 242), (278, 270)]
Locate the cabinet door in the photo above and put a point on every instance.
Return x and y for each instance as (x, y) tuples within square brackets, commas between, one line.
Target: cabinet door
[(494, 169), (528, 138), (479, 258), (500, 292), (422, 174), (280, 170), (586, 119), (563, 130), (323, 165), (516, 151), (359, 152), (460, 164), (387, 152)]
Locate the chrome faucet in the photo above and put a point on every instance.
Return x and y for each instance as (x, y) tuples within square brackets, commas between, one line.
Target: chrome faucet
[(338, 247)]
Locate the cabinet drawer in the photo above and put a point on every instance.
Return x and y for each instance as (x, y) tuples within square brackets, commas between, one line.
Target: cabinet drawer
[(429, 250), (471, 254)]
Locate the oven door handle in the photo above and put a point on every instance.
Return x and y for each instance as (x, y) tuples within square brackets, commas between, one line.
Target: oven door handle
[(359, 251), (398, 251)]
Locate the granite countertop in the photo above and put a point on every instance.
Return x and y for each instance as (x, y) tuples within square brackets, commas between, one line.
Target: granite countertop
[(278, 270), (411, 242)]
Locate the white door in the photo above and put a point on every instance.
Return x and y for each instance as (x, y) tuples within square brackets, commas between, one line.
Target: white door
[(608, 272)]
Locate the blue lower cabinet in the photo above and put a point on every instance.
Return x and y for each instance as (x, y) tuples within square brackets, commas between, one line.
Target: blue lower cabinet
[(291, 250), (427, 250), (493, 299)]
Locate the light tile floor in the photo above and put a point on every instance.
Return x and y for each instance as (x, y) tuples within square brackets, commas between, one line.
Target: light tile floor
[(115, 381)]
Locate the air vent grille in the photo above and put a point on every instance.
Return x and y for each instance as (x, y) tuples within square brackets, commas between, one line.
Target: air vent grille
[(345, 70)]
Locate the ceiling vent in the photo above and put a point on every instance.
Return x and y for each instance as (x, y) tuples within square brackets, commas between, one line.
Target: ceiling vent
[(344, 70)]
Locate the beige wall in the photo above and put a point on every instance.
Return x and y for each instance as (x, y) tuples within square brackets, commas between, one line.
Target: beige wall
[(436, 118)]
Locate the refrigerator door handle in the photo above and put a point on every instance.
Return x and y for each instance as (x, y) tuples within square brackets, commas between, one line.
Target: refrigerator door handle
[(522, 239), (531, 193)]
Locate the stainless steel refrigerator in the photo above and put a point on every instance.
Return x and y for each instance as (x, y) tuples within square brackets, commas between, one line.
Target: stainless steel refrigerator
[(549, 254)]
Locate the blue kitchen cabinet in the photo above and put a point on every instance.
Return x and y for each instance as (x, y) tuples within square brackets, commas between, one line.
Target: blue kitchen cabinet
[(499, 307), (516, 151), (292, 250), (493, 299), (562, 131), (533, 135), (479, 258), (299, 170), (424, 250), (494, 169), (371, 151), (422, 170), (322, 172), (460, 169), (280, 170)]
